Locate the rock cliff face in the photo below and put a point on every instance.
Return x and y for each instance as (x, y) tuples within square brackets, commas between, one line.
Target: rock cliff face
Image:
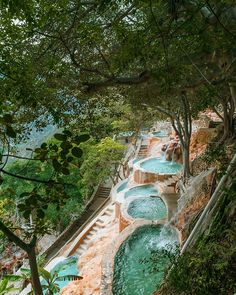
[(90, 264), (193, 200), (199, 141)]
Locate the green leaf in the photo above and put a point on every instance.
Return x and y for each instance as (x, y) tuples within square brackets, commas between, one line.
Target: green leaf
[(10, 132), (44, 146), (81, 138), (13, 278), (21, 207), (54, 147), (25, 271), (70, 159), (65, 171), (26, 214), (8, 118), (56, 165), (60, 137), (3, 284), (67, 132), (1, 180), (66, 145), (40, 213), (45, 274), (77, 152), (24, 194)]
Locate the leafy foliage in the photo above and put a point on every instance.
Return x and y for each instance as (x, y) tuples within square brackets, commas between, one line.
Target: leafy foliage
[(209, 267), (101, 160)]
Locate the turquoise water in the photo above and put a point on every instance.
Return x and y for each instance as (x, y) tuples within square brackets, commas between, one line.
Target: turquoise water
[(122, 186), (157, 165), (141, 191), (142, 259), (65, 267), (126, 134), (160, 134), (148, 208), (136, 160)]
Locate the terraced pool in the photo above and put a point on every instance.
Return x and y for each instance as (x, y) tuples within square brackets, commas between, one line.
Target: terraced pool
[(147, 208), (142, 259)]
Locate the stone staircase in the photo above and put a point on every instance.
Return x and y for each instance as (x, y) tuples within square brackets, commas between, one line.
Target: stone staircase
[(103, 192), (143, 151), (96, 228)]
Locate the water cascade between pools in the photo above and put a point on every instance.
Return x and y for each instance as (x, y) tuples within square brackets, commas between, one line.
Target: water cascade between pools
[(142, 260), (145, 255)]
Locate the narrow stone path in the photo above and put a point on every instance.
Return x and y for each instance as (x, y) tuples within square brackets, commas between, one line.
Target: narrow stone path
[(96, 229), (99, 201), (143, 151)]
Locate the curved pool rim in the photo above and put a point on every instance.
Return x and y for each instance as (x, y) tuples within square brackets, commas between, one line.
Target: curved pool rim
[(119, 197), (114, 193), (137, 166), (113, 248), (125, 206)]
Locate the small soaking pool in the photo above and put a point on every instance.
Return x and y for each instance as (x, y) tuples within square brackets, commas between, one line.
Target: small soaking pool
[(63, 268), (147, 208), (141, 191), (158, 165), (122, 186), (160, 134), (142, 259)]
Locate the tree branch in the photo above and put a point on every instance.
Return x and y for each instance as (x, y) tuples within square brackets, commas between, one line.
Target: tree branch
[(30, 179), (113, 81), (12, 237)]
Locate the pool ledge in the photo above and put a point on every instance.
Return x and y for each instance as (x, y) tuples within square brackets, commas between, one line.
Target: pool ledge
[(112, 249)]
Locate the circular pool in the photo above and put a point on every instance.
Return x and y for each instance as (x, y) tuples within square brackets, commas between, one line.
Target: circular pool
[(64, 268), (147, 208), (122, 186), (142, 259), (141, 191), (158, 165), (160, 134)]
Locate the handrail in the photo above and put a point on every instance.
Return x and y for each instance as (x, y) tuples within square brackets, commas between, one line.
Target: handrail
[(49, 251)]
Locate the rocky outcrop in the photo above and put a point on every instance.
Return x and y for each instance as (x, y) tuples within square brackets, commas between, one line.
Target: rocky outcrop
[(193, 200), (199, 141), (173, 151)]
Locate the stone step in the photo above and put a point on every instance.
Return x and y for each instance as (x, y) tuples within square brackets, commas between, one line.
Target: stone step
[(99, 223), (97, 227), (89, 235), (109, 213), (93, 231)]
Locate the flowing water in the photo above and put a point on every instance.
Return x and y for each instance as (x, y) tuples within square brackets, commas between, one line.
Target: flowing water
[(141, 191), (158, 165), (142, 260), (148, 208)]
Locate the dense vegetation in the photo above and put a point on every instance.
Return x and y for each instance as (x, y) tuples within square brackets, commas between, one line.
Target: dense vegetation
[(211, 261), (64, 62)]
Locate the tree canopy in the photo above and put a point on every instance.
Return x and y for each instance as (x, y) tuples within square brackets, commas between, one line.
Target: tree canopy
[(74, 61)]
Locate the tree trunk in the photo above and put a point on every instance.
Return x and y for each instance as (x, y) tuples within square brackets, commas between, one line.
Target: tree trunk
[(233, 93), (186, 164), (34, 272), (30, 250), (228, 109)]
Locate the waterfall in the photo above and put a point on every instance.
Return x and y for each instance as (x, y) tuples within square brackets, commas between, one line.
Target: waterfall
[(172, 156), (167, 239), (164, 156)]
